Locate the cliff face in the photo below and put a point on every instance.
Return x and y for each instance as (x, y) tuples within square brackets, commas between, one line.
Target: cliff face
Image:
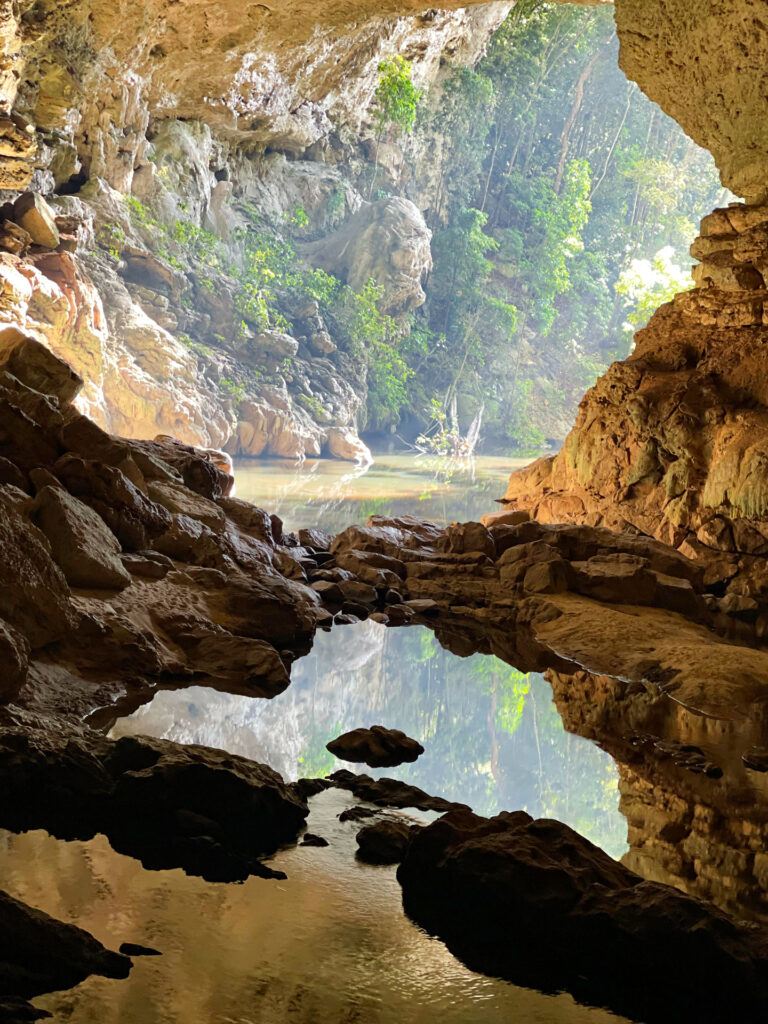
[(672, 441), (174, 107)]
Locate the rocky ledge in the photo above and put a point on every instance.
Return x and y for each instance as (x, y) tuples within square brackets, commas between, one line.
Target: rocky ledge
[(562, 597)]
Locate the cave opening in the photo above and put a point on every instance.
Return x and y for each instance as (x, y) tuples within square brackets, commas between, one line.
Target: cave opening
[(363, 268)]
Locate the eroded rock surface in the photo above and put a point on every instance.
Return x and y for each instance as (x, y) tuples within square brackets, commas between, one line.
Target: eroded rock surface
[(124, 569), (672, 442)]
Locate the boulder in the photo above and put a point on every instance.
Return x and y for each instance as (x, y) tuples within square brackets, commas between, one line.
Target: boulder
[(388, 241), (37, 218), (537, 904), (384, 842), (377, 747), (81, 543), (35, 365), (343, 443)]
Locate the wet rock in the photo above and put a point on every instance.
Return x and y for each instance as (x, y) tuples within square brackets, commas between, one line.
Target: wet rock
[(310, 839), (358, 813), (391, 793), (315, 538), (83, 546), (377, 747), (360, 593), (384, 842), (134, 949), (423, 606), (537, 904), (307, 788)]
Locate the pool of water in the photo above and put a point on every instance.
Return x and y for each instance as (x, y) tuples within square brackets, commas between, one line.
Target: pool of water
[(331, 944), (493, 738), (334, 494)]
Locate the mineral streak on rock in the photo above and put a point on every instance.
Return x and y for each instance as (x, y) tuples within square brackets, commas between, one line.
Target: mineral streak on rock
[(377, 747)]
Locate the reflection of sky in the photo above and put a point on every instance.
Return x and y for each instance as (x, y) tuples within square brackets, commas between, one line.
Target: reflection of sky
[(492, 736), (333, 494)]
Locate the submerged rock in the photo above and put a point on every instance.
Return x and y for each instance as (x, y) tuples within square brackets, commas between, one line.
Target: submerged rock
[(377, 747), (537, 904)]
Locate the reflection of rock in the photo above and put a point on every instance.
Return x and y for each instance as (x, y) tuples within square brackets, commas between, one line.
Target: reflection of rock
[(612, 603), (387, 242), (377, 747), (535, 903), (699, 829), (40, 954)]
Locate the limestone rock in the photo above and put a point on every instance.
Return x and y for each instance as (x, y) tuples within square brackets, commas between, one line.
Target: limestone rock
[(387, 241), (34, 214), (377, 747), (83, 546), (14, 657), (33, 592), (36, 366)]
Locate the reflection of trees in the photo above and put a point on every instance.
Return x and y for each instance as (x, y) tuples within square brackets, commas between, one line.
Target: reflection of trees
[(493, 737)]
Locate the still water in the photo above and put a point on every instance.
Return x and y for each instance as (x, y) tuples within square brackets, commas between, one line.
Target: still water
[(333, 494), (330, 945)]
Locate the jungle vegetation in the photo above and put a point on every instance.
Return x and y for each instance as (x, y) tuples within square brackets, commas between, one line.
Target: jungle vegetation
[(563, 203)]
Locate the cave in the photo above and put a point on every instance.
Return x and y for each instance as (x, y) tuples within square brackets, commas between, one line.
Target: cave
[(293, 725)]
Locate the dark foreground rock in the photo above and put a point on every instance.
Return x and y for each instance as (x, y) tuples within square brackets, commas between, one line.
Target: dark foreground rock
[(384, 842), (377, 747), (39, 954), (535, 903), (211, 813)]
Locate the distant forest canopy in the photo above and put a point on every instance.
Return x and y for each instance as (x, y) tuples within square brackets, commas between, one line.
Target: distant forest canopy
[(563, 203)]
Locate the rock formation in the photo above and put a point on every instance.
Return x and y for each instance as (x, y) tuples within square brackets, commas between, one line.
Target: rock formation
[(534, 902), (672, 441), (377, 747)]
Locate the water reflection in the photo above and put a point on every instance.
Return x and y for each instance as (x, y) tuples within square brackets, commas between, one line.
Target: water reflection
[(333, 494), (493, 737), (330, 945)]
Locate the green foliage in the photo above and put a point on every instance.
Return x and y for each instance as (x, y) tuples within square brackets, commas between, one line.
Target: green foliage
[(396, 98), (232, 389), (546, 196), (646, 285)]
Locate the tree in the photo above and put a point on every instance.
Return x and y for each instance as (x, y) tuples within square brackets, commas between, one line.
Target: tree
[(395, 102)]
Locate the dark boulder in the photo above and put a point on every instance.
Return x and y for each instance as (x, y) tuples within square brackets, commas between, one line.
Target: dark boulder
[(537, 904), (377, 747), (383, 842)]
